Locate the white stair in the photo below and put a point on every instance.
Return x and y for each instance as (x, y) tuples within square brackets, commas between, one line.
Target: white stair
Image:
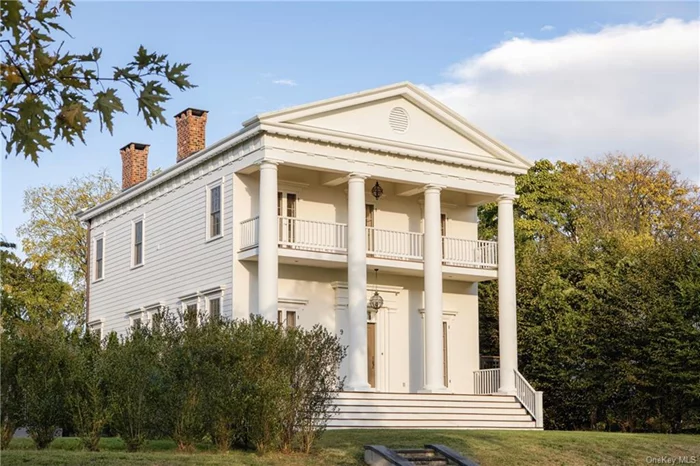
[(371, 410)]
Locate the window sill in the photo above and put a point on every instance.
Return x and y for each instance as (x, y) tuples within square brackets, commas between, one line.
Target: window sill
[(214, 238), (137, 266), (98, 280)]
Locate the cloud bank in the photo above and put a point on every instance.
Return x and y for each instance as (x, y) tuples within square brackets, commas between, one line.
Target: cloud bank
[(632, 88)]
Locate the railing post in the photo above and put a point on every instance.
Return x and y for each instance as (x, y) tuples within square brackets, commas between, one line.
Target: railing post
[(539, 411)]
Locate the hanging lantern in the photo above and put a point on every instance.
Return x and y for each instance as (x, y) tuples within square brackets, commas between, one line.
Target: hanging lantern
[(376, 301), (377, 191)]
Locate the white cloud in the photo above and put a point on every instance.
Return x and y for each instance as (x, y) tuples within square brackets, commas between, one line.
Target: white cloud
[(632, 88), (284, 82), (547, 27)]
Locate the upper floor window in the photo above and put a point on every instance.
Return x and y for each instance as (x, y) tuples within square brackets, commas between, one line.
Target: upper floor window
[(138, 244), (99, 258), (214, 209)]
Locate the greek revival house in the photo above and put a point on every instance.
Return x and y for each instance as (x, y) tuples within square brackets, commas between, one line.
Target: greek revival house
[(357, 212)]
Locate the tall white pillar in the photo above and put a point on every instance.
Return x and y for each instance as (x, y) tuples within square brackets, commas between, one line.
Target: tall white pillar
[(267, 241), (507, 318), (357, 285), (432, 272)]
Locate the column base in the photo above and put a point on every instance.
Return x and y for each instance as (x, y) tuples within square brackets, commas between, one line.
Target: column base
[(434, 390), (507, 391), (359, 387)]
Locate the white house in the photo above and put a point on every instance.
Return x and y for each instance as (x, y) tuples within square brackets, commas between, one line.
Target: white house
[(306, 213)]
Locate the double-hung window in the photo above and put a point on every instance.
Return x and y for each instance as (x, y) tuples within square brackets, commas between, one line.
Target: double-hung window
[(214, 209), (99, 258), (286, 318), (138, 243)]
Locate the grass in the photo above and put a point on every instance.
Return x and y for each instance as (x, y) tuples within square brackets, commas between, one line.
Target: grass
[(345, 448)]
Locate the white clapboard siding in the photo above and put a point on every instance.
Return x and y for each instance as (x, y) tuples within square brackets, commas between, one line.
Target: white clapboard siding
[(177, 258)]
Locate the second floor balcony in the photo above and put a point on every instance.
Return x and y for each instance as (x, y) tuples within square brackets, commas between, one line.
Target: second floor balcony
[(324, 244)]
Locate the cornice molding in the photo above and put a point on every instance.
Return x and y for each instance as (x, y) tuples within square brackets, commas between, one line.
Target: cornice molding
[(196, 172), (270, 144)]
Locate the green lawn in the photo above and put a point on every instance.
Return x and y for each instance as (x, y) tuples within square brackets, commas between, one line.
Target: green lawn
[(345, 448)]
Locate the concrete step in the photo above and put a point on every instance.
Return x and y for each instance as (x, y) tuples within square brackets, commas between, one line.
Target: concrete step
[(467, 409), (429, 424), (422, 457), (424, 397), (430, 416), (428, 403)]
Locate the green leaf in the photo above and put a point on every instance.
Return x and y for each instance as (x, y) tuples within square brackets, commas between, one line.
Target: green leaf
[(106, 104)]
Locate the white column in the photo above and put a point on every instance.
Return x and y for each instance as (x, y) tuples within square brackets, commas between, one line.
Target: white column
[(267, 241), (357, 285), (507, 319), (432, 271)]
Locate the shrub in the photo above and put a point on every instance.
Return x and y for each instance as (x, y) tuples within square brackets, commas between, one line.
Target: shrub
[(86, 398), (132, 379), (312, 359), (10, 406), (41, 375)]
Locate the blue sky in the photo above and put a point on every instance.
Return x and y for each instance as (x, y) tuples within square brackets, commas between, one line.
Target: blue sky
[(253, 57)]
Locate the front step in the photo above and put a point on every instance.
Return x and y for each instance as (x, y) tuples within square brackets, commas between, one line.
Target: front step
[(371, 410)]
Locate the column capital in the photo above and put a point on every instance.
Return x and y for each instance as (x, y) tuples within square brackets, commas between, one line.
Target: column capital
[(268, 163), (357, 176), (433, 188), (507, 198)]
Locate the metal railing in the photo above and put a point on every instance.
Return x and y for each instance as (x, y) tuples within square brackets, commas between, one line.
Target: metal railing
[(402, 245), (469, 253)]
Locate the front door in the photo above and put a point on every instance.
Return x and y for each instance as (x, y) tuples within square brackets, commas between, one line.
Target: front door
[(371, 354), (287, 211)]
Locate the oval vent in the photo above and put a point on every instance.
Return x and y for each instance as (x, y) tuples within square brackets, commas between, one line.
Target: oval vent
[(398, 119)]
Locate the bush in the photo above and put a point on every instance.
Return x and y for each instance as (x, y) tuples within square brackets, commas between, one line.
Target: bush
[(312, 359), (42, 375), (86, 398), (132, 380), (10, 406)]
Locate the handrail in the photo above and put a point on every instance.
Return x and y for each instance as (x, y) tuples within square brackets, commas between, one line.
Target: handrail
[(530, 398), (469, 252), (312, 235), (488, 381)]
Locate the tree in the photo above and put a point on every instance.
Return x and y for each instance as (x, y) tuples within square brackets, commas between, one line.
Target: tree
[(49, 93), (53, 236), (33, 296)]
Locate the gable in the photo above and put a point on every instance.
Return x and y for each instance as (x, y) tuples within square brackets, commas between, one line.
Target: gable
[(398, 117), (394, 119)]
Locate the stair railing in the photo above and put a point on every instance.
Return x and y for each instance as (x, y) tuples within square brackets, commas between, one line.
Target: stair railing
[(530, 398)]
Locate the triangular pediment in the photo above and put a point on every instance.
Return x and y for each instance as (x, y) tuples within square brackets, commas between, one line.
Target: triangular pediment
[(399, 115)]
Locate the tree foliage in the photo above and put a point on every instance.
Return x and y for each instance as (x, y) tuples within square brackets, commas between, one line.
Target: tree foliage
[(50, 93), (53, 236), (608, 286)]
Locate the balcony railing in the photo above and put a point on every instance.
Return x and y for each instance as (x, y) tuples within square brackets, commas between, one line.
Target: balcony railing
[(312, 235)]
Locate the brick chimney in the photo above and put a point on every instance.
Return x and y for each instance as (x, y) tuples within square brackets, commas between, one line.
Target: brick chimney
[(134, 164), (191, 125)]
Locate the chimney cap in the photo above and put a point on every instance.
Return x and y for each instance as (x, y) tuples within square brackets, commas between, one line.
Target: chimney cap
[(137, 146), (195, 112)]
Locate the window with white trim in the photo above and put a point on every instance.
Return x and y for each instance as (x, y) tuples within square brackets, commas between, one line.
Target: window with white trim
[(95, 328), (137, 248), (286, 318), (99, 257), (136, 318), (214, 211), (214, 308)]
